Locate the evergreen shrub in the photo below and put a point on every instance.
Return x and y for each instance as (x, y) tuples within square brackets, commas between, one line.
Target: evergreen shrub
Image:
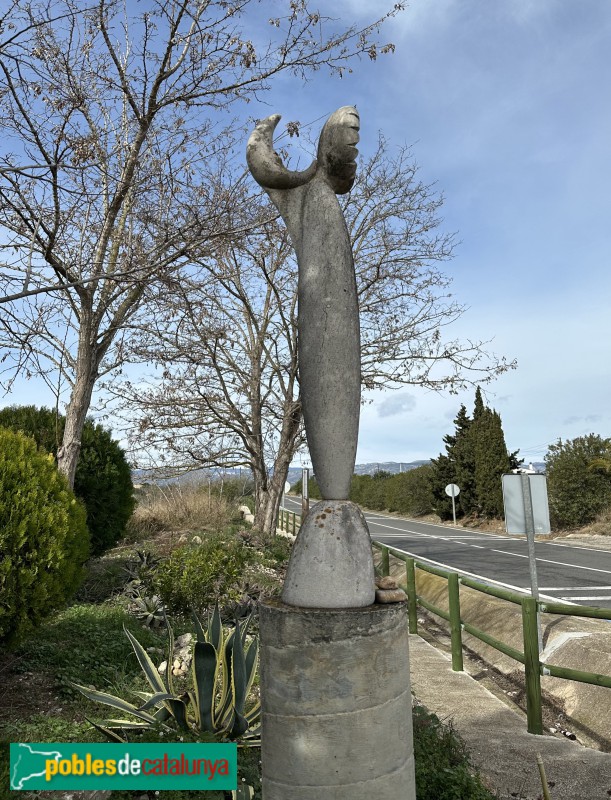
[(44, 540), (103, 476), (578, 480), (197, 576)]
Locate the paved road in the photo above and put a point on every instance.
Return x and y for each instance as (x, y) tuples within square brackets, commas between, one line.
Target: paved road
[(571, 574)]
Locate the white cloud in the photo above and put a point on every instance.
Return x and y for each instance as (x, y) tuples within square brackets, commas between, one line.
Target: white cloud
[(396, 404)]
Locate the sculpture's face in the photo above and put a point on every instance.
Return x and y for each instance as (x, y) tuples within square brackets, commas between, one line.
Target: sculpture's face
[(337, 148)]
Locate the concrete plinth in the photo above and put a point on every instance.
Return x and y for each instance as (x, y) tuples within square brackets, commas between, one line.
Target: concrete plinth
[(336, 702), (331, 564)]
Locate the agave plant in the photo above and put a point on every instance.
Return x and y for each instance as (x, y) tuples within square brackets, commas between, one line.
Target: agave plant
[(223, 668), (148, 608)]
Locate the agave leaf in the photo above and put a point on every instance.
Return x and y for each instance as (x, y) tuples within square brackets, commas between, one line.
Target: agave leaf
[(253, 713), (245, 627), (243, 792), (157, 698), (178, 709), (238, 674), (215, 629), (162, 714), (113, 702), (150, 670), (114, 737), (252, 738), (252, 661), (169, 678), (240, 725), (143, 695), (126, 723), (205, 669), (199, 630), (226, 699)]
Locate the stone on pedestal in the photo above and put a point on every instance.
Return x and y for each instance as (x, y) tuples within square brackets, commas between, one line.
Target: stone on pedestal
[(336, 702), (331, 564)]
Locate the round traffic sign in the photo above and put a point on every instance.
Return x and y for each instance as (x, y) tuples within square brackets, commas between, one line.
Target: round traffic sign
[(452, 490), (287, 487)]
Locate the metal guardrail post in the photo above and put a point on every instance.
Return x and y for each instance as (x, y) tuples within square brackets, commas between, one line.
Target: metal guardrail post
[(294, 522), (532, 665), (455, 623), (385, 561), (412, 607)]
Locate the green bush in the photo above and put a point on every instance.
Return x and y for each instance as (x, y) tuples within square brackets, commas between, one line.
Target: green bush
[(578, 480), (44, 539), (103, 477), (197, 576)]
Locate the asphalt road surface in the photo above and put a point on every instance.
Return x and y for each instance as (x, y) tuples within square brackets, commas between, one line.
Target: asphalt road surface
[(565, 573)]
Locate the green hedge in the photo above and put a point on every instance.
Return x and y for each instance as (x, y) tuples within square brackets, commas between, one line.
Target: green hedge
[(405, 492), (44, 539), (103, 476)]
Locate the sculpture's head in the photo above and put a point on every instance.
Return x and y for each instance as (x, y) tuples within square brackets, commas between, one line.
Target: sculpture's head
[(336, 148), (336, 154)]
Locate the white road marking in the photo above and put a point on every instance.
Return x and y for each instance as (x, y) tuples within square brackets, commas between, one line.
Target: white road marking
[(507, 553), (475, 575), (576, 547), (590, 597), (559, 563), (573, 588)]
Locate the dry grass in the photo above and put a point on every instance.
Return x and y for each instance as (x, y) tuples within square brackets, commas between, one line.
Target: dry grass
[(600, 527), (178, 508)]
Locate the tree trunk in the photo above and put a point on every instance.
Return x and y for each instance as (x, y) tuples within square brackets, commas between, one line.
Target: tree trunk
[(266, 510), (268, 490), (78, 407)]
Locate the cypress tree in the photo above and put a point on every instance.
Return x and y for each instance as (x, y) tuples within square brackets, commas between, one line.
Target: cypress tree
[(454, 467), (463, 454), (476, 457), (491, 462)]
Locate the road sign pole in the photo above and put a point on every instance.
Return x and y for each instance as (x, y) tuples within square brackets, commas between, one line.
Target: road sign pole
[(530, 538), (452, 490), (305, 499)]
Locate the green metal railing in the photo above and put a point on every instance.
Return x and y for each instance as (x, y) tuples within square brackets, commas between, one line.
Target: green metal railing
[(288, 521), (530, 656)]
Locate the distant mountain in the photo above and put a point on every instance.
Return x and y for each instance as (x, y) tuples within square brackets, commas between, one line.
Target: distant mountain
[(369, 469), (294, 474)]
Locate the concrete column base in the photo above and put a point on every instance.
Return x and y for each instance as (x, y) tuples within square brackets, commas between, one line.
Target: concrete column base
[(331, 564), (337, 711)]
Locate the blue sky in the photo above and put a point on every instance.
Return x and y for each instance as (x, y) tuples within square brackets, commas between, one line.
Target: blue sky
[(507, 106)]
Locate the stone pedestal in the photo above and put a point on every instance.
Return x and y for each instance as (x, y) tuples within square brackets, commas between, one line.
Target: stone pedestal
[(337, 721)]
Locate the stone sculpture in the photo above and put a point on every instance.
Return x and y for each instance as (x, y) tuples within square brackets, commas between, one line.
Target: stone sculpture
[(331, 564)]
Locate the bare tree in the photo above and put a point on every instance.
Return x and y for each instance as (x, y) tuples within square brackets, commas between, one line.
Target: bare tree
[(123, 125), (226, 390)]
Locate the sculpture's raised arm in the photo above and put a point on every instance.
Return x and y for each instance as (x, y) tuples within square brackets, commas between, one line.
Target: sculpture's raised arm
[(266, 165)]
